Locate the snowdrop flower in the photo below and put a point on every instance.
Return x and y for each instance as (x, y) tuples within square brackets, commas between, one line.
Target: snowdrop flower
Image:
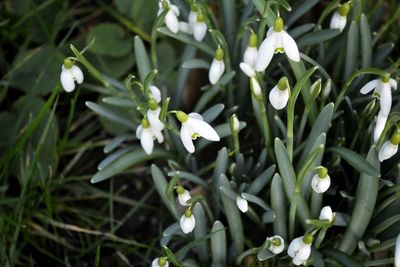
[(69, 74), (153, 114), (321, 180), (254, 85), (192, 15), (155, 93), (160, 262), (235, 124), (382, 88), (187, 222), (183, 195), (279, 95), (397, 252), (326, 214), (242, 204), (278, 40), (380, 125), (217, 66), (339, 18), (277, 244), (300, 249), (146, 134), (194, 126), (250, 54), (171, 18), (199, 27), (390, 147)]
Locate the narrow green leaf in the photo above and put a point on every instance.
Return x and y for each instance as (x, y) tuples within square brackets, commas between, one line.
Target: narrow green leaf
[(317, 37), (121, 102), (259, 182), (212, 113), (97, 260), (115, 142), (256, 200), (171, 256), (169, 191), (190, 177), (278, 204), (342, 258), (141, 56), (218, 244), (357, 161), (366, 44), (300, 10), (265, 254), (200, 231), (196, 63), (108, 160), (285, 168), (352, 49)]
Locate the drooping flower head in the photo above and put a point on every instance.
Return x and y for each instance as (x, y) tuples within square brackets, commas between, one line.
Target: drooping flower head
[(153, 115), (187, 222), (70, 74), (321, 180), (194, 126), (160, 262), (276, 244), (279, 95), (277, 41), (217, 67), (339, 18), (380, 125), (390, 147), (242, 204), (171, 18), (326, 214), (250, 54), (300, 249), (199, 27), (146, 134), (183, 195)]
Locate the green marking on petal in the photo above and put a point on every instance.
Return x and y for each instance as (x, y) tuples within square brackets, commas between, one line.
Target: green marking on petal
[(182, 116), (68, 64)]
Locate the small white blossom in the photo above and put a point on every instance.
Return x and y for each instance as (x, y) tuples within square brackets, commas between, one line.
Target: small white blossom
[(279, 95), (192, 16), (278, 40), (326, 214), (171, 18), (183, 195), (250, 54), (397, 252), (199, 27), (146, 135), (300, 249), (277, 244), (339, 18), (70, 74), (217, 66), (380, 125), (321, 181), (155, 93), (390, 147), (160, 262), (194, 126), (187, 222), (382, 88), (242, 204)]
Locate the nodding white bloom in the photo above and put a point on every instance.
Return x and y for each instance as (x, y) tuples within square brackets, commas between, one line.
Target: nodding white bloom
[(160, 262), (187, 222), (147, 134), (192, 15), (300, 249), (155, 93), (278, 40), (339, 18), (380, 125), (217, 66), (250, 54), (382, 88), (390, 147), (321, 181), (397, 252), (277, 244), (199, 27), (247, 69), (242, 204), (153, 114), (70, 74), (194, 126), (279, 95), (171, 18), (183, 195), (326, 214)]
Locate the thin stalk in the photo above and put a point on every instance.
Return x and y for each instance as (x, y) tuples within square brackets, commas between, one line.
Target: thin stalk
[(266, 130)]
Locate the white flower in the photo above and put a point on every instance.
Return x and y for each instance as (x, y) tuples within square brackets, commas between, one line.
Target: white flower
[(217, 66), (300, 249), (397, 252), (339, 18), (192, 17), (199, 27), (250, 56), (187, 222), (194, 126), (183, 195), (147, 134), (256, 88), (326, 214), (155, 93), (247, 69), (279, 95), (382, 88), (278, 40), (242, 204), (160, 262), (390, 147), (277, 244), (171, 18), (380, 125), (321, 181), (69, 74), (153, 117)]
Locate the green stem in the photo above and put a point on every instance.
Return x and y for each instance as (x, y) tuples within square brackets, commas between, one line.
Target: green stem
[(265, 121)]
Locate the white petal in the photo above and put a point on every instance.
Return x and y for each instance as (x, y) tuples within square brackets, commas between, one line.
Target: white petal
[(195, 115), (369, 86), (172, 22), (203, 129), (247, 69), (185, 27), (199, 31), (192, 18), (397, 252), (77, 73), (387, 151), (186, 138), (250, 56), (155, 93), (338, 21), (290, 46), (67, 80), (187, 224), (265, 53), (294, 246), (159, 136), (342, 22), (393, 84), (174, 9), (303, 254), (155, 263), (139, 130), (386, 100), (320, 185), (326, 214), (270, 31), (242, 204), (146, 140), (216, 70), (380, 126), (298, 261), (153, 117), (277, 249), (278, 98), (182, 198)]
